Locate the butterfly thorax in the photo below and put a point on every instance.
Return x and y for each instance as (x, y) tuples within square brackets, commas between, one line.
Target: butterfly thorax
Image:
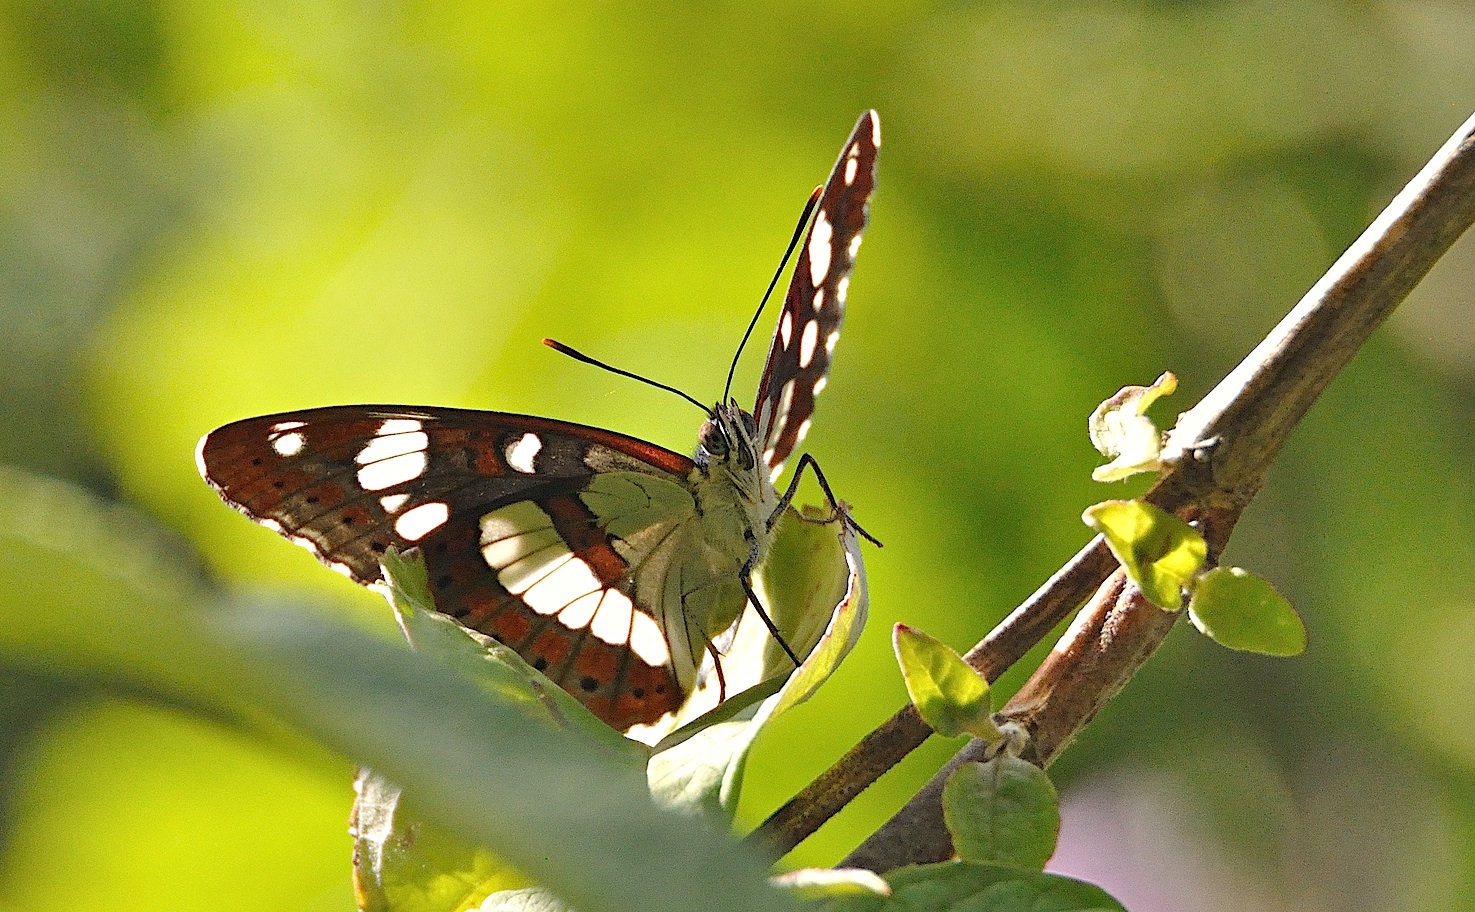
[(734, 499)]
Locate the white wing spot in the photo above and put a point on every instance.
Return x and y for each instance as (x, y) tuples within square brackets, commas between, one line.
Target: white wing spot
[(785, 400), (281, 427), (831, 340), (386, 473), (852, 165), (819, 300), (395, 456), (422, 520), (397, 444), (855, 246), (786, 327), (520, 455), (400, 426), (392, 502), (568, 582), (819, 385), (803, 430), (647, 641), (512, 533), (807, 342), (842, 288), (289, 444), (580, 611), (819, 248), (612, 623), (768, 455), (519, 576), (875, 131), (341, 568)]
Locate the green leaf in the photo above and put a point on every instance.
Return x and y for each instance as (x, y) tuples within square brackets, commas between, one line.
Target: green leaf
[(1122, 432), (1238, 609), (967, 886), (951, 696), (813, 584), (1003, 812), (403, 863), (1161, 553), (98, 591)]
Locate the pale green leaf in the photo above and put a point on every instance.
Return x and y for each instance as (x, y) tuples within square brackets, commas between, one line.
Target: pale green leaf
[(1161, 553), (1004, 812), (1122, 432), (403, 863), (1238, 609), (951, 696), (828, 883), (565, 808)]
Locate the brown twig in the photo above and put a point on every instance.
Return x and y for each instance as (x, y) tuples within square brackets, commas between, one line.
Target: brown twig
[(1220, 453)]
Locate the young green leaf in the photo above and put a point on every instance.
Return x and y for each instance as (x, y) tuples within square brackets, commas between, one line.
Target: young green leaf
[(1238, 609), (951, 697), (1003, 812), (1161, 553), (968, 886), (1122, 432)]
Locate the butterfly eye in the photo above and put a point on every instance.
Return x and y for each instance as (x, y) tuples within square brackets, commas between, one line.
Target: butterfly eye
[(712, 440)]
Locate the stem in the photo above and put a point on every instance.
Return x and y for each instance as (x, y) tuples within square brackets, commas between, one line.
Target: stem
[(1219, 455)]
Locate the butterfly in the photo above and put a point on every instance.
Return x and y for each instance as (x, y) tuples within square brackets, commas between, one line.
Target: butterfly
[(608, 563)]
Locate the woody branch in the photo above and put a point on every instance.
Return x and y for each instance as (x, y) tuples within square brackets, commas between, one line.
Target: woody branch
[(1219, 455)]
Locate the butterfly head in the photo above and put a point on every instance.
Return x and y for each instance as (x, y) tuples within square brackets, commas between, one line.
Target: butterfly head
[(728, 439)]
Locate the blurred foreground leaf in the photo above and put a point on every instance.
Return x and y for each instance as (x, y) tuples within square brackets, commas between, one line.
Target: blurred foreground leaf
[(85, 595)]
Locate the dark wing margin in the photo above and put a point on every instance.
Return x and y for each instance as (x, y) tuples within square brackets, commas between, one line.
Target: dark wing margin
[(350, 482), (804, 343)]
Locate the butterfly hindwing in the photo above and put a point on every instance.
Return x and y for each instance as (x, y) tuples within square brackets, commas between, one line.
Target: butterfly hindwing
[(497, 505), (799, 360)]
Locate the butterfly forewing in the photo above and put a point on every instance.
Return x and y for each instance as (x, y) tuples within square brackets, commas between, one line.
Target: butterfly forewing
[(608, 563), (799, 359), (496, 504)]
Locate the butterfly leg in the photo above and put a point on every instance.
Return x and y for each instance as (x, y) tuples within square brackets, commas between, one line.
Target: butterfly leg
[(841, 513), (745, 577)]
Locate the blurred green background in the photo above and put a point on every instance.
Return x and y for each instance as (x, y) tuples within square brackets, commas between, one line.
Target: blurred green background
[(212, 210)]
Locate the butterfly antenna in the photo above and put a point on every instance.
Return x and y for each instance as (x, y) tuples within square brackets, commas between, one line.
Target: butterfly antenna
[(793, 242), (580, 356)]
